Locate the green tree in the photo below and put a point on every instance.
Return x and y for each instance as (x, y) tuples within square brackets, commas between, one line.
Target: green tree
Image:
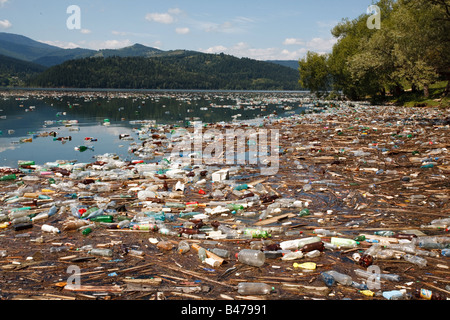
[(314, 74)]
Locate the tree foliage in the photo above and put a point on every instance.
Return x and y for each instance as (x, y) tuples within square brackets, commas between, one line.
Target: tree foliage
[(410, 50), (186, 71)]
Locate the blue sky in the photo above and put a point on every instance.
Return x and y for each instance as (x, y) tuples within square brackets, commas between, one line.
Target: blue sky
[(258, 29)]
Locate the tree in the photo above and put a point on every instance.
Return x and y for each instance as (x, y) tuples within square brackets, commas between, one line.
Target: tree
[(314, 74)]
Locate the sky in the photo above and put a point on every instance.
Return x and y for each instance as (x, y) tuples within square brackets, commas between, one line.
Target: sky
[(257, 29)]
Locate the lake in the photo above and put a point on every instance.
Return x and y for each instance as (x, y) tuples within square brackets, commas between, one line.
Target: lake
[(48, 125)]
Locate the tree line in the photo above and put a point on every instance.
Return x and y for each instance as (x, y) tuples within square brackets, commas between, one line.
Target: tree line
[(410, 51), (186, 71)]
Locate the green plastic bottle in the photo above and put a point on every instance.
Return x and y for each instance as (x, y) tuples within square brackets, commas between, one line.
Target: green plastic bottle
[(8, 177), (304, 212), (103, 218)]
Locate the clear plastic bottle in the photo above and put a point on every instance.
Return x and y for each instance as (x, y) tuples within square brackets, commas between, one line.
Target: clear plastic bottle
[(183, 247), (223, 253), (341, 278), (433, 242), (298, 243), (101, 252), (251, 257), (419, 261), (254, 288)]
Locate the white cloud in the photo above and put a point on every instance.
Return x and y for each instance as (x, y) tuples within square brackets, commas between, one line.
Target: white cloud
[(243, 49), (85, 31), (160, 18), (3, 2), (182, 30), (321, 45), (166, 18), (61, 44), (215, 49), (109, 44), (5, 24), (175, 11), (293, 41)]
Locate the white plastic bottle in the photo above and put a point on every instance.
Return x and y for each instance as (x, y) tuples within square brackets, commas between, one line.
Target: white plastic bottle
[(49, 228)]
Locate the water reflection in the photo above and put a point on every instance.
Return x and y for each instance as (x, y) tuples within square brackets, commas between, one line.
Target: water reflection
[(45, 126)]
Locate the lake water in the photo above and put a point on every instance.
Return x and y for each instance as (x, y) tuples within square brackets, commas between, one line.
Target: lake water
[(27, 116)]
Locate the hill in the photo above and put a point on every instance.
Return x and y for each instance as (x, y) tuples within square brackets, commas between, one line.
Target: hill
[(172, 70), (287, 63), (14, 71)]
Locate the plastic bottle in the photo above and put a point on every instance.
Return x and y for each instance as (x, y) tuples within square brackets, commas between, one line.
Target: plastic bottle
[(254, 288), (305, 265), (298, 243), (325, 232), (102, 218), (319, 246), (202, 254), (101, 252), (223, 253), (292, 255), (445, 252), (384, 233), (405, 247), (419, 261), (23, 226), (340, 277), (145, 226), (256, 233), (386, 276), (8, 177), (368, 255), (251, 257), (327, 278), (74, 224), (433, 242), (393, 295), (20, 220), (50, 229), (183, 247), (427, 294), (344, 242)]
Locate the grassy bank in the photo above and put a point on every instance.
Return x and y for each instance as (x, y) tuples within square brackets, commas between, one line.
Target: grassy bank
[(417, 99)]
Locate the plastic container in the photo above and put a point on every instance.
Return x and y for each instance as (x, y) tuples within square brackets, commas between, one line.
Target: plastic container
[(419, 261), (298, 243), (327, 278), (340, 277), (101, 252), (251, 257), (368, 256), (344, 242), (183, 247), (254, 288), (50, 229)]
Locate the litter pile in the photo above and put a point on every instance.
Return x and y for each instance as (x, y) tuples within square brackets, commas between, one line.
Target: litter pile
[(358, 209)]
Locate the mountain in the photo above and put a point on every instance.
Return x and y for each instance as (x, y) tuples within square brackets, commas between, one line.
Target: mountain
[(137, 66), (14, 71), (24, 48), (287, 63), (177, 70)]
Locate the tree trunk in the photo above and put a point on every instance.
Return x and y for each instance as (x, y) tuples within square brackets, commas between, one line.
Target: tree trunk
[(426, 91)]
